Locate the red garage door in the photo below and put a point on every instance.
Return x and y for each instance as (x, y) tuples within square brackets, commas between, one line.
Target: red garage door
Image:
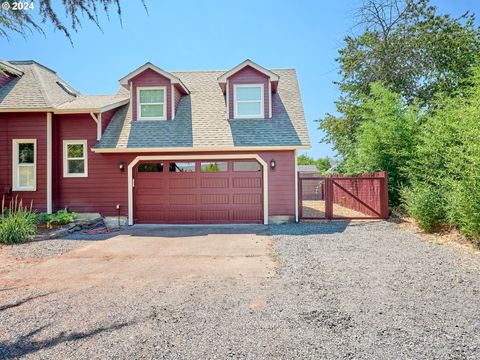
[(198, 192)]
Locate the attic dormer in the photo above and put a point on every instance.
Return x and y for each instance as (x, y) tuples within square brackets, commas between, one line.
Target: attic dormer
[(248, 89), (154, 93)]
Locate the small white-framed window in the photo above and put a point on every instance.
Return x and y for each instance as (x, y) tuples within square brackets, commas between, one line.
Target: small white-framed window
[(24, 165), (248, 101), (75, 158), (151, 103)]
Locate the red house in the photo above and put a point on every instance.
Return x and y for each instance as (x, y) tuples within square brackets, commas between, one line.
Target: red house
[(180, 147)]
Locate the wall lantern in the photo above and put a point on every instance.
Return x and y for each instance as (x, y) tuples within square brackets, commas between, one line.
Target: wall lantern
[(121, 166), (273, 164)]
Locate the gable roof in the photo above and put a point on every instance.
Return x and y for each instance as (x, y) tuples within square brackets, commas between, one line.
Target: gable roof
[(201, 121), (173, 79), (223, 78)]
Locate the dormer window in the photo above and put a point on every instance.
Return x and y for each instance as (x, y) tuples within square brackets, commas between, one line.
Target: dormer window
[(151, 103), (248, 101)]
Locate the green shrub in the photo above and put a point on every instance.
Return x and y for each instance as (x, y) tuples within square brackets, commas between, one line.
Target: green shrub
[(61, 217), (17, 224), (424, 203), (386, 139), (444, 174)]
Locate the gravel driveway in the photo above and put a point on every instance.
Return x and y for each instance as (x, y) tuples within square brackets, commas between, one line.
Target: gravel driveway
[(359, 291)]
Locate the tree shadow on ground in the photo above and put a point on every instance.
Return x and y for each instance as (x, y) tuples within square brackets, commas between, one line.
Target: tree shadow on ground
[(21, 302), (25, 345)]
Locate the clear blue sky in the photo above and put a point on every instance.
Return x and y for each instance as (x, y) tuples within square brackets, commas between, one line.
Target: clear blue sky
[(192, 35)]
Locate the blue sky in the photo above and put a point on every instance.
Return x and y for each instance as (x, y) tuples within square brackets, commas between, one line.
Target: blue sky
[(192, 35)]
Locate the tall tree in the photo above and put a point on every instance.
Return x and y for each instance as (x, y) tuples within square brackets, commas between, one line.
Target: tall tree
[(408, 47), (17, 16)]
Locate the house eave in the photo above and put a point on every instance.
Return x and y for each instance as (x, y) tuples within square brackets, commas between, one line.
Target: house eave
[(273, 77), (173, 79), (199, 149)]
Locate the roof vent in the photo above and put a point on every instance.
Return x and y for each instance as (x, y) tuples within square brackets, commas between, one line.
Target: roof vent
[(67, 88)]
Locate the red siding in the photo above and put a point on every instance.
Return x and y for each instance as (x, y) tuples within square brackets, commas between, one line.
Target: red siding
[(150, 78), (178, 97), (106, 117), (105, 186), (24, 126), (248, 75), (4, 78)]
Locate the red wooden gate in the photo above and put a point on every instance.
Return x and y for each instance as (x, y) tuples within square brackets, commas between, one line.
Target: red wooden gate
[(343, 197)]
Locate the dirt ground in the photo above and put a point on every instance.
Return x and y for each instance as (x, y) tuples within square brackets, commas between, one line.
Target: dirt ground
[(316, 208), (147, 255), (330, 290)]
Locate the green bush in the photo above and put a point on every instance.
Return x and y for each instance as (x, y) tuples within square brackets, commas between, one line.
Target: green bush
[(61, 217), (444, 173), (386, 139), (424, 203), (17, 224)]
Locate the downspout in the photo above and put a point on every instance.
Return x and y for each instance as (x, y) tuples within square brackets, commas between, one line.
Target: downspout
[(296, 186), (49, 163)]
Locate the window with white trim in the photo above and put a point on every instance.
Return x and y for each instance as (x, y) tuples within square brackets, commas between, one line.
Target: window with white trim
[(248, 101), (151, 103), (75, 159), (24, 165)]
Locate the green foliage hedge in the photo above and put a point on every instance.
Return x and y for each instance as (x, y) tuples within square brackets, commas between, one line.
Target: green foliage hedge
[(444, 174)]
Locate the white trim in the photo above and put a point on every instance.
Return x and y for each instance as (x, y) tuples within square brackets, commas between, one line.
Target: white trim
[(66, 174), (200, 148), (172, 96), (269, 99), (22, 110), (94, 117), (49, 164), (114, 105), (248, 62), (165, 105), (15, 180), (10, 69), (99, 127), (197, 157), (173, 79), (296, 186), (262, 102), (228, 99)]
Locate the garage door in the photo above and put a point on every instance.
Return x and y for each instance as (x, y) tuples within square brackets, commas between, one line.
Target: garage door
[(198, 192)]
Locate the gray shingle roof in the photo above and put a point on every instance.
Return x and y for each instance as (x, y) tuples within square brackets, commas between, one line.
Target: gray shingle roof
[(307, 168), (41, 88), (38, 87), (92, 102), (201, 120)]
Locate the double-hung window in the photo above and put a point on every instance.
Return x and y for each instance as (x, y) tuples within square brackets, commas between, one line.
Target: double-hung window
[(248, 101), (24, 165), (151, 103), (75, 159)]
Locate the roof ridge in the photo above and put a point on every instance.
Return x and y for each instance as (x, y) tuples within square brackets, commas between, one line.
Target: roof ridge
[(200, 71), (37, 76), (30, 62)]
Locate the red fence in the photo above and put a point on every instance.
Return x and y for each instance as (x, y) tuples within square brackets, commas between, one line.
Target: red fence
[(344, 197)]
